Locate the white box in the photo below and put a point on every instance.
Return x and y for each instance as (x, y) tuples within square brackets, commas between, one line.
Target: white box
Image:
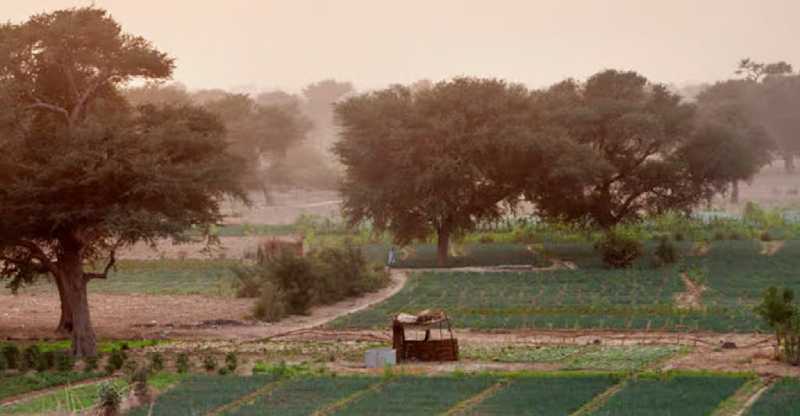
[(380, 357)]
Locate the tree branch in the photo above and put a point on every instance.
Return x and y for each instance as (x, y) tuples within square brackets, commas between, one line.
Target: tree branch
[(76, 111), (112, 260), (50, 107), (39, 254)]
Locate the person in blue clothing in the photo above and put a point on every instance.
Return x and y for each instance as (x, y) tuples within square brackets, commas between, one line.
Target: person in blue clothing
[(392, 257)]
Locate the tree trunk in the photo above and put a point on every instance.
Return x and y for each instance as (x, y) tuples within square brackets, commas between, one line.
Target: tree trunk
[(442, 246), (788, 162), (735, 192), (84, 341), (65, 322)]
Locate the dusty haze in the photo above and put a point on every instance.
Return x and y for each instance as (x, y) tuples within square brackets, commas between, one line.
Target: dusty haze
[(264, 44)]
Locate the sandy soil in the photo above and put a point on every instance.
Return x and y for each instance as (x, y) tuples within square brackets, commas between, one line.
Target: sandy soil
[(33, 316)]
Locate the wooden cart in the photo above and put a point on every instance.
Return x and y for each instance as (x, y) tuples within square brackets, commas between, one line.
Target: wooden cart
[(427, 347)]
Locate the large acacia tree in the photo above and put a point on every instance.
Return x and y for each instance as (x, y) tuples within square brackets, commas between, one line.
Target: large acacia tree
[(83, 173), (433, 160), (622, 151)]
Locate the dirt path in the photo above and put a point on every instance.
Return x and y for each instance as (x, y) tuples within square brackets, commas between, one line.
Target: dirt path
[(692, 297), (33, 316)]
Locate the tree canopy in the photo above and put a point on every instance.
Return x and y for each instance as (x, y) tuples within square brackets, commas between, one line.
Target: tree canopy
[(623, 142), (435, 160), (84, 173)]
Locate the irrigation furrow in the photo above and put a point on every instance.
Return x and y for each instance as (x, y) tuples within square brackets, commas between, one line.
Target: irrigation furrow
[(342, 403), (599, 400), (247, 398), (473, 401)]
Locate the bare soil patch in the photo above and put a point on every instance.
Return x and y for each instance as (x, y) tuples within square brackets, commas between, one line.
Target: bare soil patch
[(770, 248), (34, 316), (692, 297)]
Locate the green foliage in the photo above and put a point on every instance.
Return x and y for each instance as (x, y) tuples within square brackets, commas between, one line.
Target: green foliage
[(47, 360), (671, 395), (64, 361), (418, 395), (458, 179), (117, 359), (31, 357), (12, 355), (289, 284), (67, 399), (619, 248), (210, 363), (231, 361), (199, 394), (109, 398), (156, 362), (14, 385), (182, 363), (783, 398), (281, 369), (305, 395), (90, 364), (780, 312), (535, 395), (666, 252)]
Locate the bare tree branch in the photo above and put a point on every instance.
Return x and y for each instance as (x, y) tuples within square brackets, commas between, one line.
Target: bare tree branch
[(112, 260)]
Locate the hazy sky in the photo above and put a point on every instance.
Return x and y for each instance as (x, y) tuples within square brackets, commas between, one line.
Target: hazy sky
[(290, 43)]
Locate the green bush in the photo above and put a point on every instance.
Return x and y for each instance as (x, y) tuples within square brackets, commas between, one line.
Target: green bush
[(231, 361), (47, 360), (109, 399), (209, 363), (91, 363), (666, 252), (12, 356), (619, 248), (64, 361), (777, 308), (117, 359), (156, 362), (31, 357), (3, 363), (182, 363), (289, 284)]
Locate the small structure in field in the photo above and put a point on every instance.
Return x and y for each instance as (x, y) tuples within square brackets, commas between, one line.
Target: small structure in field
[(425, 347), (274, 246)]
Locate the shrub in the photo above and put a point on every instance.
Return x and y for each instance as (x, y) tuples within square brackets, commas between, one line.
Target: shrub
[(3, 363), (619, 249), (90, 363), (12, 356), (47, 360), (156, 362), (117, 359), (666, 252), (271, 304), (182, 362), (31, 357), (209, 363), (289, 284), (777, 308), (138, 381), (64, 362), (247, 282), (766, 236), (231, 361), (109, 399), (129, 367)]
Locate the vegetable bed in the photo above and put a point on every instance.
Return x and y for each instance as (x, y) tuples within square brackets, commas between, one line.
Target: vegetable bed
[(685, 395), (422, 396), (200, 394), (783, 398), (303, 396), (554, 395)]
